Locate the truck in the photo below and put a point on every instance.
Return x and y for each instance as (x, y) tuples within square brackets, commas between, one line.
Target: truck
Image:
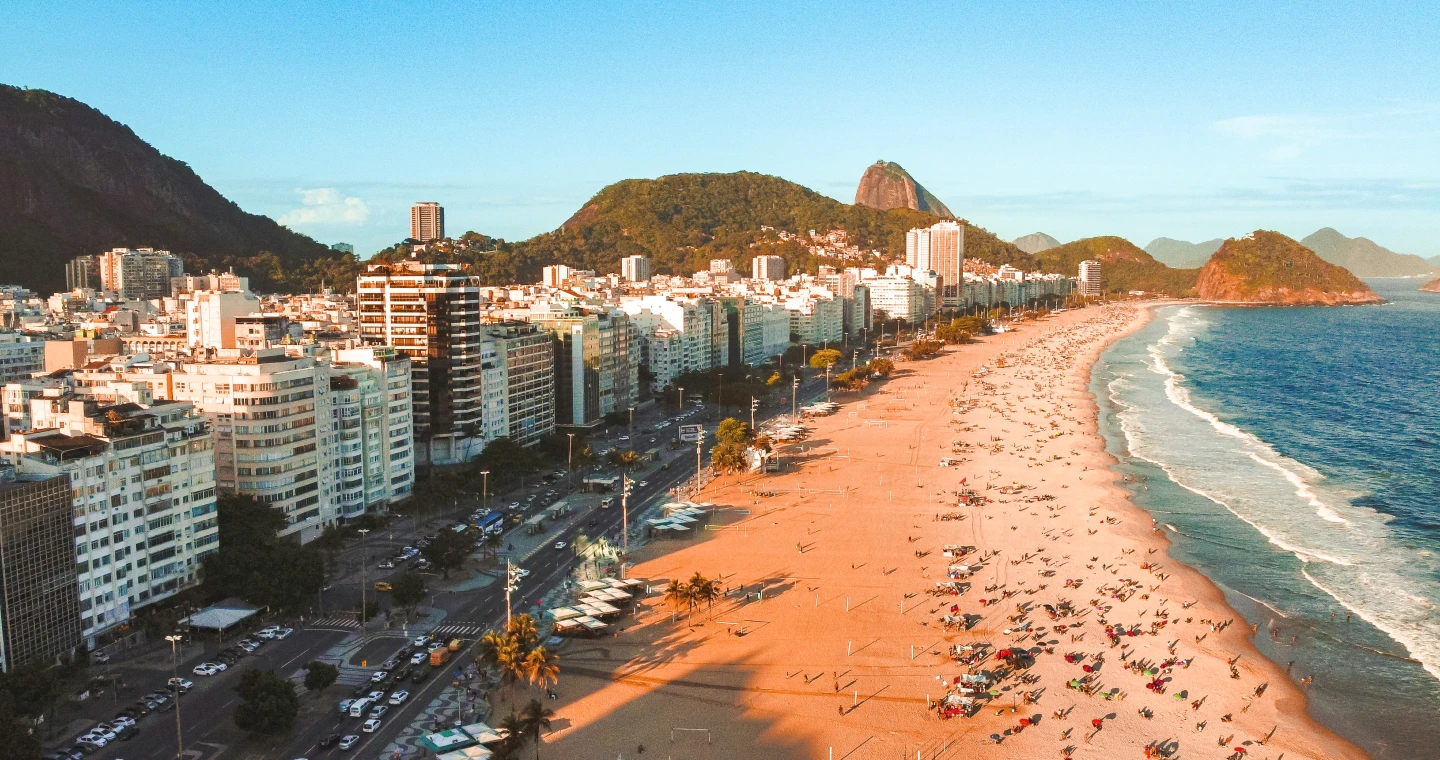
[(439, 656)]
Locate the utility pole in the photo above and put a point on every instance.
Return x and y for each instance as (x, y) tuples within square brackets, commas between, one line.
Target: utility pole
[(754, 404), (680, 399), (794, 401), (485, 489), (174, 639), (570, 462), (624, 522), (364, 560), (827, 382)]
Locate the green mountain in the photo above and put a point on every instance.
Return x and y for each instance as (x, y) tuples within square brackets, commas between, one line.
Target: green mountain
[(1124, 266), (1035, 242), (1182, 253), (886, 185), (1363, 257), (682, 221), (1269, 268), (73, 181)]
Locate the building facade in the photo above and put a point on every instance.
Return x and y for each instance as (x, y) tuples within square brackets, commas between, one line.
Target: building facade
[(83, 272), (20, 356), (635, 268), (143, 273), (767, 268), (39, 589), (427, 221), (431, 313), (1091, 284), (940, 248), (527, 357), (375, 455)]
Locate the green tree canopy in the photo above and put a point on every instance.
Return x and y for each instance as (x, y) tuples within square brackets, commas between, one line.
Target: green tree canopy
[(319, 675), (731, 430), (448, 551), (268, 703), (408, 590), (825, 357), (254, 565), (728, 456)]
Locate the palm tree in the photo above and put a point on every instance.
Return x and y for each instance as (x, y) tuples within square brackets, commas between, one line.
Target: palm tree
[(542, 667), (522, 629), (493, 542), (704, 590), (534, 719), (677, 595), (516, 733)]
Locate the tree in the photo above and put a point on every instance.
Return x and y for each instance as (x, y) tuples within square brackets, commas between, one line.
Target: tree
[(703, 590), (922, 349), (825, 357), (505, 460), (408, 590), (513, 726), (731, 430), (534, 719), (881, 367), (268, 703), (253, 565), (728, 456), (448, 551), (541, 667), (319, 675), (677, 595)]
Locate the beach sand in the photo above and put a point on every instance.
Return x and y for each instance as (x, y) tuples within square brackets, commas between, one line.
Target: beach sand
[(842, 649)]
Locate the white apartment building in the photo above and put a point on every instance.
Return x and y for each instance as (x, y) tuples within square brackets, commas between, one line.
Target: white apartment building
[(1090, 281), (20, 356), (767, 268), (210, 316), (526, 357), (635, 268), (899, 296), (940, 248), (816, 318), (142, 474), (694, 320), (374, 459), (142, 274)]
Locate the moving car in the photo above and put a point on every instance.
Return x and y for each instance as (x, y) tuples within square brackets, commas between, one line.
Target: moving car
[(559, 545), (399, 697), (349, 741), (371, 726), (378, 676), (382, 586), (386, 564), (329, 740), (378, 711), (417, 658)]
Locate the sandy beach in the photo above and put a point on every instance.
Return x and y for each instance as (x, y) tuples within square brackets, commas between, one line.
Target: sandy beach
[(832, 640)]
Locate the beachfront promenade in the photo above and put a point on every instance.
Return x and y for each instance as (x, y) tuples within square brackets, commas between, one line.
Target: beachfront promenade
[(1009, 604)]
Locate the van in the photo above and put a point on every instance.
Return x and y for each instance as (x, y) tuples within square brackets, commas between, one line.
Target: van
[(360, 707), (607, 502)]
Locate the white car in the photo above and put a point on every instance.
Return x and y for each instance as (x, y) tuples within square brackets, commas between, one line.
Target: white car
[(205, 669), (399, 697), (93, 740), (378, 676), (559, 545), (182, 683), (514, 505), (643, 483), (267, 632), (432, 647), (521, 572), (345, 706), (349, 741), (375, 696), (378, 711), (420, 641), (283, 632), (371, 726), (417, 658)]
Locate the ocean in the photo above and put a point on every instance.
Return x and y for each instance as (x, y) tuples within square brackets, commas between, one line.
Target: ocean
[(1293, 456)]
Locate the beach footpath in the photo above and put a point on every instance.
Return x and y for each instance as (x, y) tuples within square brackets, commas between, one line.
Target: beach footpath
[(944, 568)]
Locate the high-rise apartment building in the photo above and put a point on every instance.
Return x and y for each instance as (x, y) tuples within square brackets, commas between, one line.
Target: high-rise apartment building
[(594, 373), (142, 493), (370, 403), (431, 313), (20, 355), (526, 355), (427, 221), (1090, 282), (83, 272), (210, 316), (39, 592), (940, 248), (635, 268), (143, 273), (767, 268)]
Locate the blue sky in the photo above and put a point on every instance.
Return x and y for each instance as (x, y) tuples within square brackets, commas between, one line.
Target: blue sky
[(1135, 119)]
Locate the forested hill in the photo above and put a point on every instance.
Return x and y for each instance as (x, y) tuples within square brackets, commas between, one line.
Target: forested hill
[(1124, 266), (682, 221), (74, 181)]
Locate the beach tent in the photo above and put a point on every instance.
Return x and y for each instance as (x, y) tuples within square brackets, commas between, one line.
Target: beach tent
[(469, 753), (485, 734), (592, 585), (564, 613)]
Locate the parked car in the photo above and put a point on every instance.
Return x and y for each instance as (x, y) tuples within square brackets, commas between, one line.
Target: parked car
[(349, 741), (205, 669), (283, 632), (180, 684)]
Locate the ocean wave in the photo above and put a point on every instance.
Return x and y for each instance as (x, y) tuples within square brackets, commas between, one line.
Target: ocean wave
[(1346, 551)]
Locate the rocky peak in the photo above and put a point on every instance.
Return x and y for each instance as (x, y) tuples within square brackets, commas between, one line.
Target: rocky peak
[(885, 185)]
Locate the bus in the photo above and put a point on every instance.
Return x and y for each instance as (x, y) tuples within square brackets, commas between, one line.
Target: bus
[(493, 523)]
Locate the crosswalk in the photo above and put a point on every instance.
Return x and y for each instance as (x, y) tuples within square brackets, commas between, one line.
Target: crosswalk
[(461, 629), (333, 622)]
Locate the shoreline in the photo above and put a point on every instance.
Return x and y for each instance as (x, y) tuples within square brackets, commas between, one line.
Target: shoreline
[(848, 603)]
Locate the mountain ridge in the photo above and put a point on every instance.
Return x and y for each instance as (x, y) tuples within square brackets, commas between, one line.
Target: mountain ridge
[(1268, 268), (1182, 254), (1124, 266), (1035, 242), (74, 181), (1364, 257), (886, 185)]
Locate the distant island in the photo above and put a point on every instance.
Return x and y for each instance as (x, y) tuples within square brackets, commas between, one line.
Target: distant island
[(1431, 287), (1268, 268)]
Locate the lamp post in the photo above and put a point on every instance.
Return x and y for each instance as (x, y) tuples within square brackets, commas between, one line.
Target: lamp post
[(698, 443), (570, 462), (175, 639), (680, 400), (624, 522), (364, 560), (484, 489), (794, 401), (754, 404), (631, 427)]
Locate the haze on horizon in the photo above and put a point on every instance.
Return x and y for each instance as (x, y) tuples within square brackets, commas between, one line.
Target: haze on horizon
[(1059, 117)]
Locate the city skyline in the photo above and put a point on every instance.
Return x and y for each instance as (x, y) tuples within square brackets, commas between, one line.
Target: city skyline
[(1226, 123)]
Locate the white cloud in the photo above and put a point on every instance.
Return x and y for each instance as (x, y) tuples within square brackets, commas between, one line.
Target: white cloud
[(325, 205)]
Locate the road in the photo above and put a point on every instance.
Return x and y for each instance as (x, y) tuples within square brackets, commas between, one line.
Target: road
[(206, 712)]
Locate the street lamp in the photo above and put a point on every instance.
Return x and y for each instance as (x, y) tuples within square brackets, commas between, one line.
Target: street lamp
[(175, 639), (364, 560), (624, 521), (698, 479), (570, 462), (754, 404), (680, 399), (484, 489), (631, 431), (794, 401)]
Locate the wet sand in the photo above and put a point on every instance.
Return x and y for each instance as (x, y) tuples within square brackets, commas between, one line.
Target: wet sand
[(830, 644)]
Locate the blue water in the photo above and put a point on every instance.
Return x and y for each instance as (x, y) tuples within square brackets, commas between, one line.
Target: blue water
[(1293, 456)]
